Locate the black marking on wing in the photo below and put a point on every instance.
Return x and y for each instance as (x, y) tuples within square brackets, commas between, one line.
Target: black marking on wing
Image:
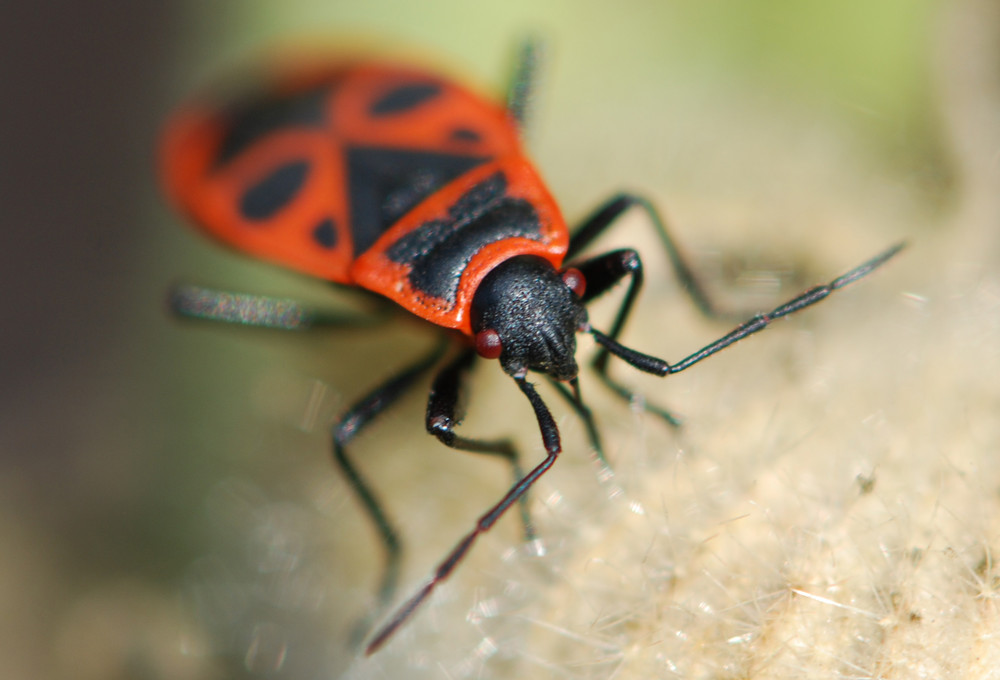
[(440, 250), (465, 135), (268, 196), (253, 120), (403, 98), (385, 184), (325, 234)]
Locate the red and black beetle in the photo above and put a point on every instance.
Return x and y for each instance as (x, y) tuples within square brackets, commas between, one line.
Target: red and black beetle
[(402, 183)]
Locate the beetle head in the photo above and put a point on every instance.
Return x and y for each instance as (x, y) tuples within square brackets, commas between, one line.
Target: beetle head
[(527, 314)]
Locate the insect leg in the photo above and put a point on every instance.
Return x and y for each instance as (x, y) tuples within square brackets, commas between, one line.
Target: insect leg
[(601, 273), (523, 80), (445, 412), (344, 431), (207, 304), (611, 210), (550, 438)]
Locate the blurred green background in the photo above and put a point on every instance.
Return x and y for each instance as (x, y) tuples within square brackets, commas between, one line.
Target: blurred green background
[(157, 479)]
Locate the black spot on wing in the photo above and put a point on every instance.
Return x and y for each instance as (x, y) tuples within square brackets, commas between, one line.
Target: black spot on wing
[(439, 251), (385, 184), (253, 120), (465, 135), (403, 98), (268, 196), (325, 234)]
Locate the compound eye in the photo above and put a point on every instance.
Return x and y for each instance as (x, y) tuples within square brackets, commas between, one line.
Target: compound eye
[(573, 278), (488, 344)]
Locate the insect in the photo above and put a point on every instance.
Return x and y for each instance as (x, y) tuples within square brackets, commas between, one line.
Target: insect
[(402, 183)]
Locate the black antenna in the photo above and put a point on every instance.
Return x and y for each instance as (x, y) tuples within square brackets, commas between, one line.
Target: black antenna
[(649, 364)]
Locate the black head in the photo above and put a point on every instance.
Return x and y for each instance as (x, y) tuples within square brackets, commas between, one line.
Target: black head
[(527, 314)]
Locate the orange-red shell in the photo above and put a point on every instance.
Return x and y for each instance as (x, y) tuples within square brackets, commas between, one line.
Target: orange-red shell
[(325, 169)]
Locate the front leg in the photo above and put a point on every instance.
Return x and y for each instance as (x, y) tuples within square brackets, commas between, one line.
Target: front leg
[(550, 438), (607, 215), (444, 414), (601, 274)]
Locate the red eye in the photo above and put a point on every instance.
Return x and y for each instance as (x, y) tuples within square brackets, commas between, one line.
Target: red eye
[(488, 344), (574, 280)]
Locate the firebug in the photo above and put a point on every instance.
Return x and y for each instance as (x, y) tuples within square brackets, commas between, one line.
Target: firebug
[(390, 179)]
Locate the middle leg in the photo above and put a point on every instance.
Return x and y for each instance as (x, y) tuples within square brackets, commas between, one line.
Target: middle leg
[(344, 431)]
